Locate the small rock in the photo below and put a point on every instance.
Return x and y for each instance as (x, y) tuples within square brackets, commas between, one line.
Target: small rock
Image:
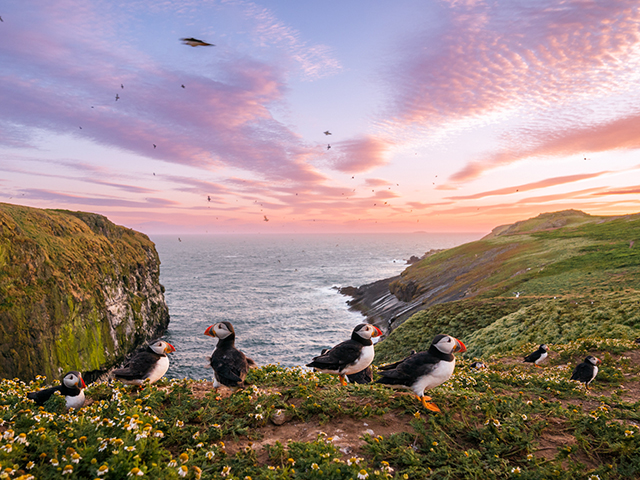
[(279, 417)]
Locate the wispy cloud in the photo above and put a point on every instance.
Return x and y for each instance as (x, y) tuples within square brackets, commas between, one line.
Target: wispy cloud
[(360, 154)]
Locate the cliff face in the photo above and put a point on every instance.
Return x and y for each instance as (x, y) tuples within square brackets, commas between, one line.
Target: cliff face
[(77, 292)]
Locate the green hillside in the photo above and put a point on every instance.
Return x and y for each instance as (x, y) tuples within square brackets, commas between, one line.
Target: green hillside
[(556, 278)]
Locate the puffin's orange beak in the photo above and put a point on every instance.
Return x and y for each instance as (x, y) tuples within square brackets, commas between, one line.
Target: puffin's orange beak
[(169, 348), (82, 383), (460, 347), (210, 331), (377, 333), (598, 362)]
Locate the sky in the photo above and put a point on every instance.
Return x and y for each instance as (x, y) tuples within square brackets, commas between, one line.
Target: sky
[(320, 117)]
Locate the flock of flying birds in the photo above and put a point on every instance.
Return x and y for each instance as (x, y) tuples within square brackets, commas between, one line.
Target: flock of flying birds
[(351, 360)]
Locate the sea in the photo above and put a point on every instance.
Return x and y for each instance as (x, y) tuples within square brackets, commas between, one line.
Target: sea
[(279, 291)]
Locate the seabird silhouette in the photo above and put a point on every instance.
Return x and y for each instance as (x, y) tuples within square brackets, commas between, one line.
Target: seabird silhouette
[(327, 132), (194, 42), (117, 97)]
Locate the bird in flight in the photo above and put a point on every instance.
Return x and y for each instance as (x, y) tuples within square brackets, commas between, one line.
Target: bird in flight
[(154, 146), (328, 146), (117, 97), (209, 198), (327, 132), (121, 85), (265, 218), (194, 42)]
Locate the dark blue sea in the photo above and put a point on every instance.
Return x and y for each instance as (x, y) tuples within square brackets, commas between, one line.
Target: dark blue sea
[(278, 291)]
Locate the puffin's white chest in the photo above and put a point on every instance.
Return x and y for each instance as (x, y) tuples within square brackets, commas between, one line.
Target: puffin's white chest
[(542, 357), (75, 402), (362, 362), (440, 374), (595, 372), (158, 370)]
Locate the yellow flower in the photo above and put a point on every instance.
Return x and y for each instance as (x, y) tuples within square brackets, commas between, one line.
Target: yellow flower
[(184, 457)]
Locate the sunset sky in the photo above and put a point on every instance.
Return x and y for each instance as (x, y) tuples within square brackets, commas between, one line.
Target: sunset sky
[(445, 116)]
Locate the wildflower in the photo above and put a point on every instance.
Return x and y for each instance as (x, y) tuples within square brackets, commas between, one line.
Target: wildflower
[(529, 456), (353, 461), (197, 471), (54, 462), (172, 463), (68, 469), (75, 458), (22, 438), (200, 445), (435, 444), (594, 477), (184, 457), (30, 465), (135, 472), (291, 461), (628, 433), (179, 423), (515, 470), (226, 470), (416, 415), (104, 469), (130, 449), (362, 475), (524, 417), (259, 416), (210, 455), (183, 470), (314, 466), (158, 433)]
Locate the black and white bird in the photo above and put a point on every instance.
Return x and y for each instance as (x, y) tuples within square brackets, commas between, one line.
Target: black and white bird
[(424, 370), (538, 356), (361, 377), (348, 357), (230, 365), (148, 364), (586, 371), (478, 365), (71, 387)]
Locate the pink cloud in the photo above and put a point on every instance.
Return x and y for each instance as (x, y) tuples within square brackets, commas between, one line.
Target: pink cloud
[(360, 154), (549, 182)]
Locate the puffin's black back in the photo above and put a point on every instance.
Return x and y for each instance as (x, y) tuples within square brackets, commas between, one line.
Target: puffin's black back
[(41, 396), (408, 370), (138, 365), (229, 363)]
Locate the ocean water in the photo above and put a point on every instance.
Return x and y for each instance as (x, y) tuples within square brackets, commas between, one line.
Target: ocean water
[(278, 291)]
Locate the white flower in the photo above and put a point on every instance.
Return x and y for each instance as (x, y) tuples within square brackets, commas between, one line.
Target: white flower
[(314, 466), (225, 471), (179, 423), (515, 470), (103, 470), (362, 475), (209, 455), (183, 471), (68, 469)]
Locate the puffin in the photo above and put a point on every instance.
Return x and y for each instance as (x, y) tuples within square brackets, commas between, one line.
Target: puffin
[(361, 377), (586, 371), (150, 363), (424, 370), (230, 365), (349, 357), (538, 356), (71, 387), (478, 365)]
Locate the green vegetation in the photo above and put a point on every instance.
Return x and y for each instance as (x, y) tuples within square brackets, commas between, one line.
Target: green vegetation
[(507, 421), (76, 291)]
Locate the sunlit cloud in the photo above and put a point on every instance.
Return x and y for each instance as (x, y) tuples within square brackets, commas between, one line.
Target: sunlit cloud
[(76, 199), (361, 154)]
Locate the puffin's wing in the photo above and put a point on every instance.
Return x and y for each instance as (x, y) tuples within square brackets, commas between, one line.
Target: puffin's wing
[(341, 355), (407, 370), (137, 367), (42, 396), (230, 368), (581, 373), (532, 357)]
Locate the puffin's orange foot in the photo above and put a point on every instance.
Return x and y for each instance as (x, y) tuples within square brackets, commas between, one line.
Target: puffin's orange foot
[(342, 380), (429, 405), (424, 398), (536, 365)]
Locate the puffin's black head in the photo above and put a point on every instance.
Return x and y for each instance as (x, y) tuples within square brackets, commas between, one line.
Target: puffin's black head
[(161, 347), (592, 360), (544, 347), (448, 344), (366, 331), (221, 330), (74, 379)]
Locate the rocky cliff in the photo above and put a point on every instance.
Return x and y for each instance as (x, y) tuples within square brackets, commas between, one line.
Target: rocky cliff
[(77, 292)]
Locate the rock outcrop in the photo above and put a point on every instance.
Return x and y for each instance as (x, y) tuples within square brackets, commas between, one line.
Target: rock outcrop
[(77, 292)]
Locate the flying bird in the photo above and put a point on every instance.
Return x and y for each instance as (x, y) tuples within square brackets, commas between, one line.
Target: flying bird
[(71, 387), (121, 85), (183, 86), (538, 356), (328, 146), (327, 132), (150, 363), (586, 371), (208, 198), (230, 365), (351, 356), (194, 42), (117, 97), (424, 370), (154, 146), (265, 218)]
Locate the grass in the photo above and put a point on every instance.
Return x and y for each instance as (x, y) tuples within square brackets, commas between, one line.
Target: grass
[(507, 421)]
